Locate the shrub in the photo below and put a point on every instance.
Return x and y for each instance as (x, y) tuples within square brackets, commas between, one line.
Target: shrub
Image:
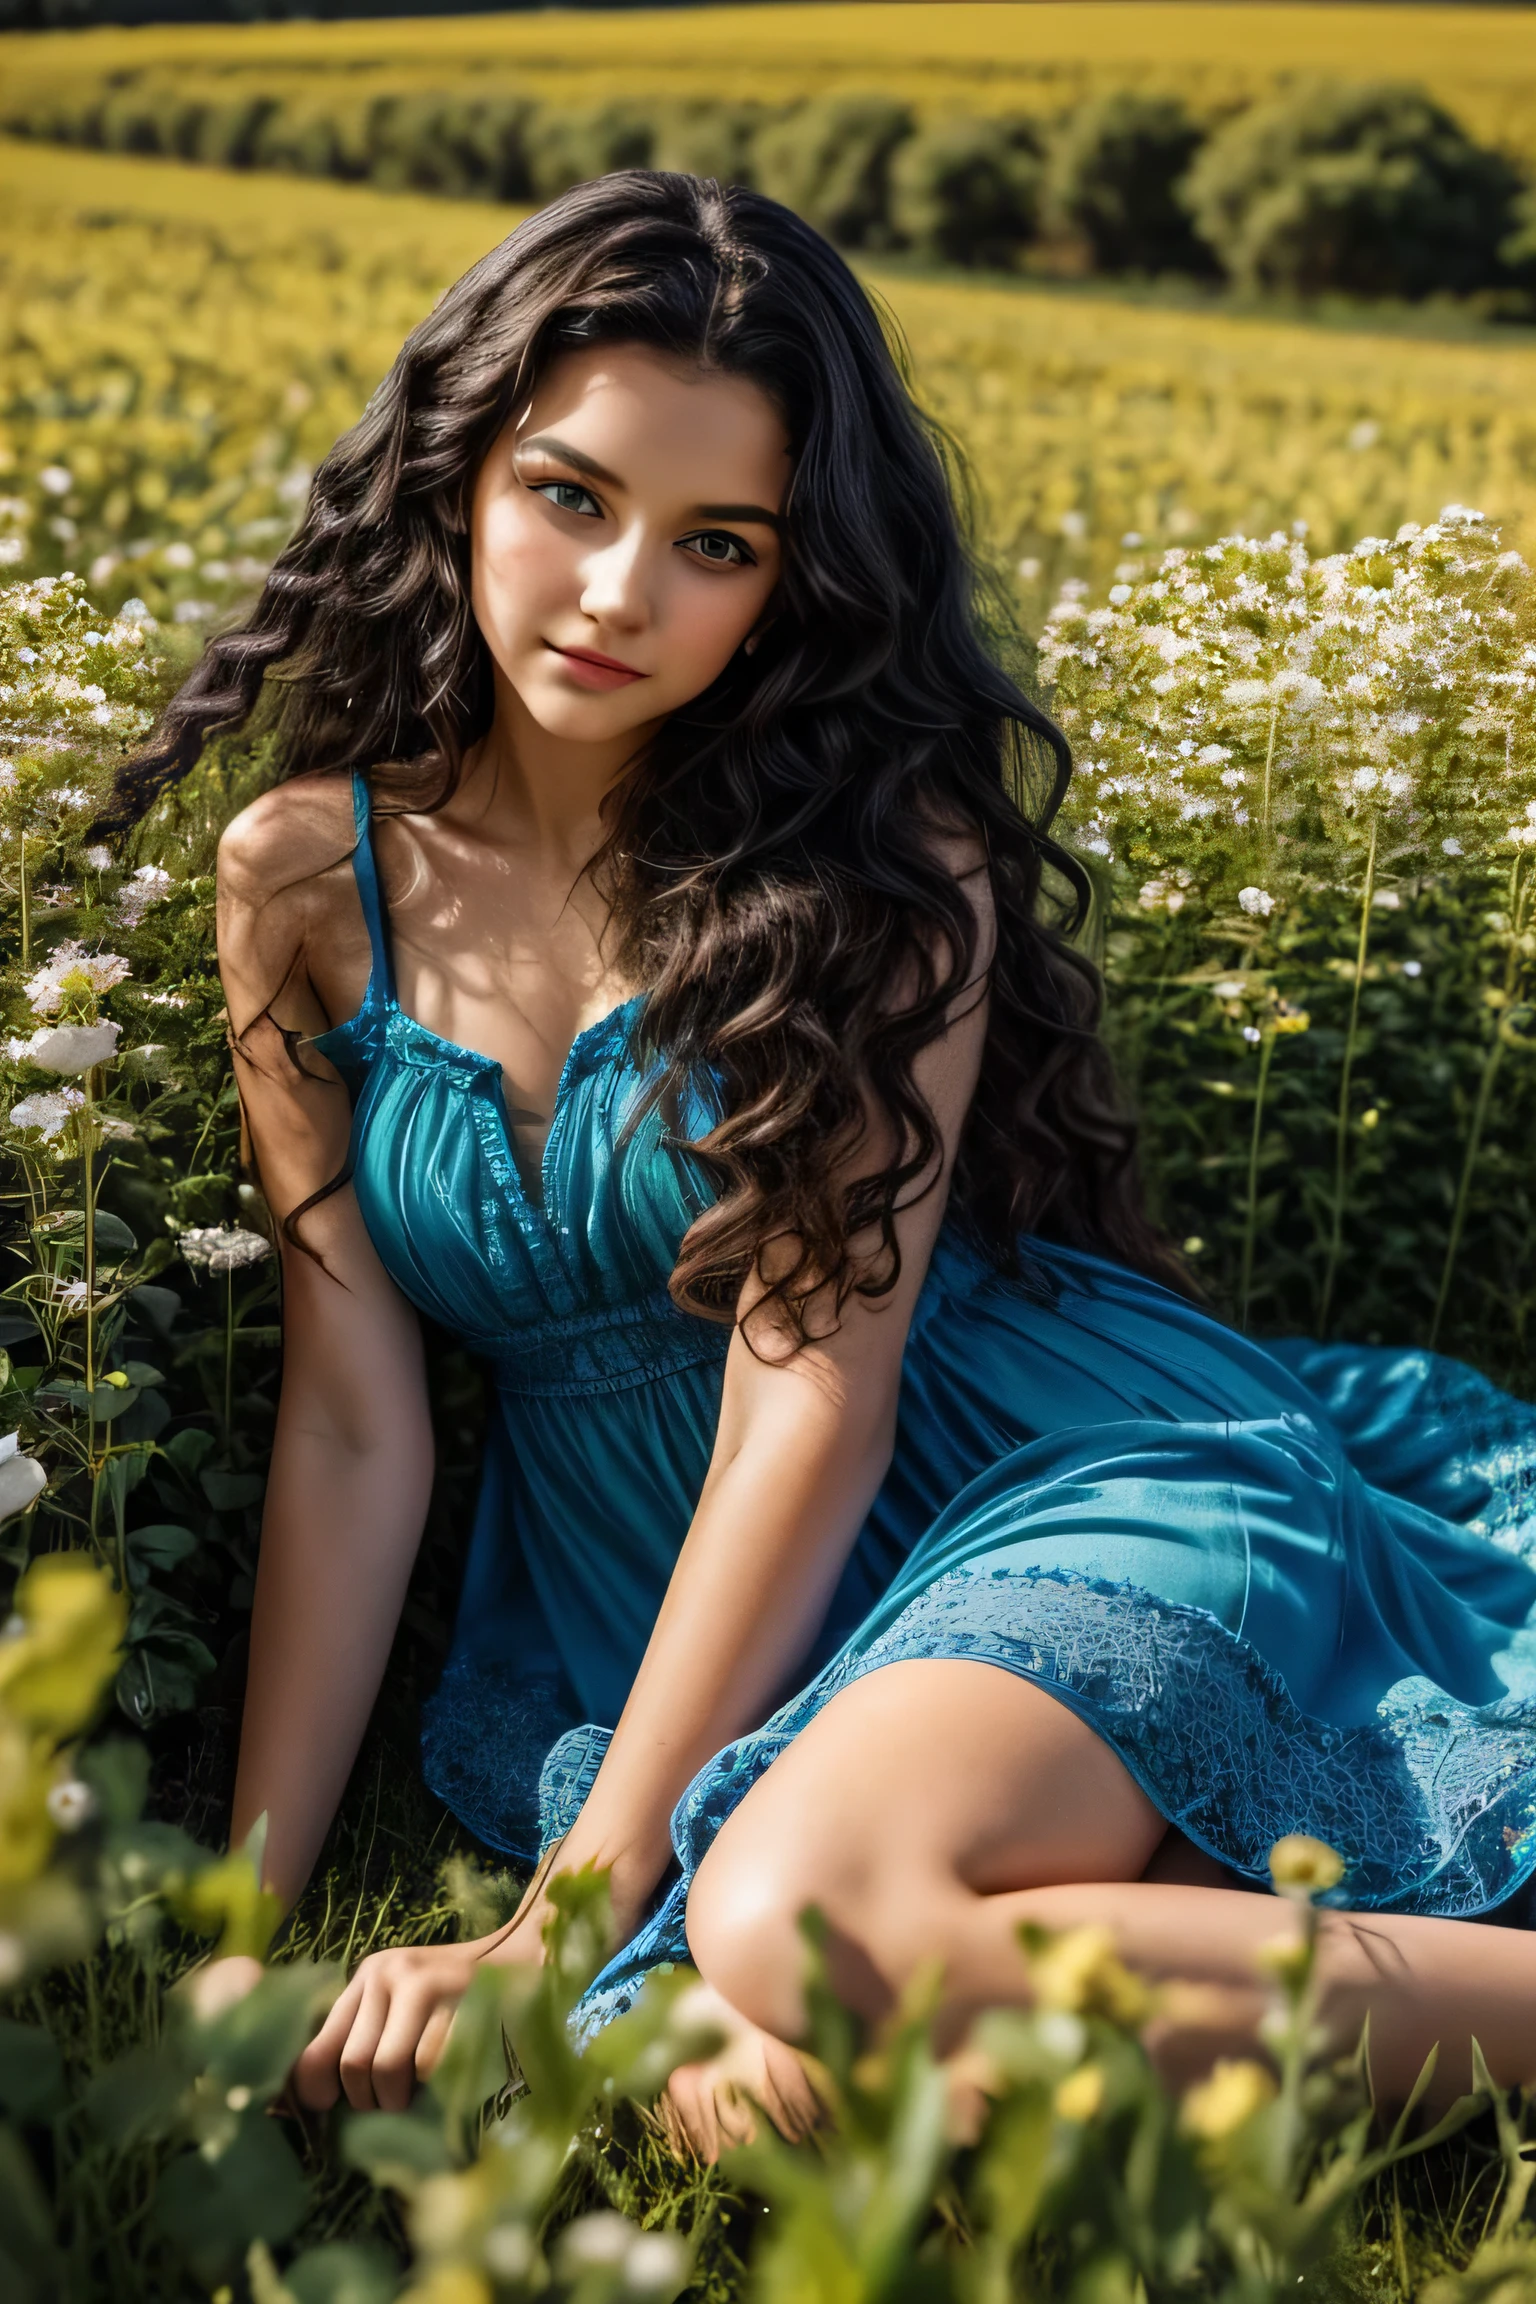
[(442, 144), (708, 140), (1115, 166), (309, 140), (228, 134), (830, 160), (966, 191), (1374, 190), (566, 148)]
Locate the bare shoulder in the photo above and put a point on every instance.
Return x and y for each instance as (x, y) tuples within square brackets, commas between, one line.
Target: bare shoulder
[(287, 841), (962, 852)]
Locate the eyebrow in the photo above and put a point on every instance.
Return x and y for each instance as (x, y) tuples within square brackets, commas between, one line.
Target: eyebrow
[(756, 513)]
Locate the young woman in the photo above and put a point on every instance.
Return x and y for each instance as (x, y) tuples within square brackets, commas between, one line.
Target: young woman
[(655, 967)]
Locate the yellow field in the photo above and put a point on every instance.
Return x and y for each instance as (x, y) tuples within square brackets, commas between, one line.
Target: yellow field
[(182, 345), (1480, 61)]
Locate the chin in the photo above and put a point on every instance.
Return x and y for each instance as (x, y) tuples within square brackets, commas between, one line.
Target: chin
[(584, 719)]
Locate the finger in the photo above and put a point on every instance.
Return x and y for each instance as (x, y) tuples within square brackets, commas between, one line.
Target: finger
[(394, 2059), (355, 2062), (434, 2038), (735, 2115), (693, 2102), (316, 2075)]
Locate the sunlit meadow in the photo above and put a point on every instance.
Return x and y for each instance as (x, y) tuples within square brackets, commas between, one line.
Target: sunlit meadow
[(1279, 581)]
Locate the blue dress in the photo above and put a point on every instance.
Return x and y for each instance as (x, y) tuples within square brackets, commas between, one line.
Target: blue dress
[(1293, 1586)]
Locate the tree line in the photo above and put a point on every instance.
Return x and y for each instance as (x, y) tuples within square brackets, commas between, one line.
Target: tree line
[(1327, 187)]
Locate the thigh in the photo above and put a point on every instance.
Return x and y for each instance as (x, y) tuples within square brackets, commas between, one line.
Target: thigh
[(944, 1769)]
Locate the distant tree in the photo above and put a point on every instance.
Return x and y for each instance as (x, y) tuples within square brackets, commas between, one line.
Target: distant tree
[(830, 159), (567, 147), (1375, 190), (1114, 169), (966, 191), (704, 139)]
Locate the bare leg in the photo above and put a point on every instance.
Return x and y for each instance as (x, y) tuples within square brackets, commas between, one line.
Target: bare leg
[(935, 1806)]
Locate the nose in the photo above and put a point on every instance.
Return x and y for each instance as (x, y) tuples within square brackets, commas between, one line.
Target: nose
[(615, 583)]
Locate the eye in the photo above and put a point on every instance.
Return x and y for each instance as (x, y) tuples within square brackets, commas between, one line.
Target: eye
[(569, 497), (719, 549)]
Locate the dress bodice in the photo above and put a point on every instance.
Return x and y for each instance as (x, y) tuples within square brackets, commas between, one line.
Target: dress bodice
[(559, 1285)]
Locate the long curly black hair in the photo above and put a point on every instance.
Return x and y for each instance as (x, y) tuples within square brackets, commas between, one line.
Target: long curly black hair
[(771, 858)]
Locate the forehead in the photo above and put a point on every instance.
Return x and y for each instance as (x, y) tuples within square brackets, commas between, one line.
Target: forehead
[(655, 420)]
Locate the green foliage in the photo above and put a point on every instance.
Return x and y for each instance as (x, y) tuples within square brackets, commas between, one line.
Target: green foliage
[(700, 139), (566, 148), (966, 191), (1372, 190), (1116, 165), (830, 161)]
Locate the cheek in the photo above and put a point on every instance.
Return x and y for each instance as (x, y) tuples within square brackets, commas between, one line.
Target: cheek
[(712, 619), (519, 566)]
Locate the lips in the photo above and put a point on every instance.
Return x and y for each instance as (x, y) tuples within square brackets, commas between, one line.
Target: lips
[(590, 669)]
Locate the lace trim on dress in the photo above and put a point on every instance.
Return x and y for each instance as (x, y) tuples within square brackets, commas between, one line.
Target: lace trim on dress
[(1433, 1808)]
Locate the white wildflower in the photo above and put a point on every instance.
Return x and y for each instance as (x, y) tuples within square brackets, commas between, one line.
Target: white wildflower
[(1256, 901), (57, 479), (99, 857), (71, 1804), (1160, 896), (48, 1113), (221, 1247), (597, 2241), (72, 1048), (146, 886), (22, 1478), (73, 970)]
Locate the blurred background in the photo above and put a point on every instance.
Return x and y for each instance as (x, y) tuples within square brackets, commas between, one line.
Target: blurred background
[(1169, 270)]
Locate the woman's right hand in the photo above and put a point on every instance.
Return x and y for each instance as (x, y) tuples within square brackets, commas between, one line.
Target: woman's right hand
[(387, 2030)]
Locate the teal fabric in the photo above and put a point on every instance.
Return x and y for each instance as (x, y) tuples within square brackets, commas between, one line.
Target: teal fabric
[(1294, 1586)]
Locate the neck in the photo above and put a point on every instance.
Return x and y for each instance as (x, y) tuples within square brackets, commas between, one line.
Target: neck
[(541, 791)]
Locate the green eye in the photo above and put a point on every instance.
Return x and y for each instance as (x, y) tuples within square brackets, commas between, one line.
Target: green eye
[(567, 495)]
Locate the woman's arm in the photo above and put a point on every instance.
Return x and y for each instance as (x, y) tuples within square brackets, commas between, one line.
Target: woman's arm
[(803, 1444), (351, 1466)]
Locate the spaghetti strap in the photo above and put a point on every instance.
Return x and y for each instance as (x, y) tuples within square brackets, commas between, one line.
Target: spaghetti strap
[(365, 867)]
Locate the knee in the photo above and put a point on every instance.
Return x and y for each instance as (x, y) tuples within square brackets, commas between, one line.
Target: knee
[(746, 1911)]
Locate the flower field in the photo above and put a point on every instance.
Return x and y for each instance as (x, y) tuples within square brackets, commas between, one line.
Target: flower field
[(1278, 580), (177, 348)]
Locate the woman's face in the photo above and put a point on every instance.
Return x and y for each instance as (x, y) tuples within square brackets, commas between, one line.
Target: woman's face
[(626, 538)]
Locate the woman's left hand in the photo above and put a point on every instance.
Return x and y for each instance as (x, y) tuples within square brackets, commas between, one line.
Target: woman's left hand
[(709, 2106)]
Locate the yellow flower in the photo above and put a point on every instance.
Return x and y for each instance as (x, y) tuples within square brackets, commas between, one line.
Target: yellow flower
[(1303, 1867), (1290, 1019), (1285, 1959), (450, 2284), (53, 1671), (1236, 2089), (1081, 2095), (1078, 1972)]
